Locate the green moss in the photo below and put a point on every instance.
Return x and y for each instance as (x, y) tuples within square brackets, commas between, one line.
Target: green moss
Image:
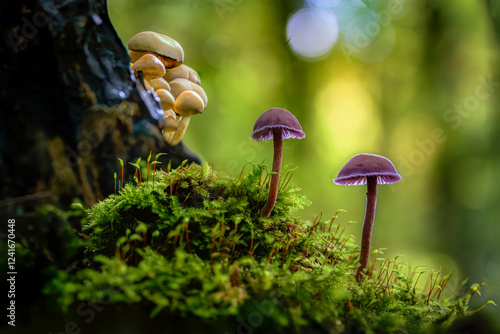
[(194, 246)]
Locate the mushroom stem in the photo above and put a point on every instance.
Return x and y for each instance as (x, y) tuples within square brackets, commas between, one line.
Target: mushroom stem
[(275, 179), (181, 130), (371, 204), (170, 136)]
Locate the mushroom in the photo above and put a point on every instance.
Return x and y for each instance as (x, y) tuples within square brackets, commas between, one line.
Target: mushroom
[(371, 170), (165, 48), (187, 104), (179, 85), (278, 124), (182, 71), (151, 68), (171, 124), (159, 83), (166, 99)]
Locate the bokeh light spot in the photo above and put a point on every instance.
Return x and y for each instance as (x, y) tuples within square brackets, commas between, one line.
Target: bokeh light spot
[(347, 119), (312, 32), (324, 3), (368, 39)]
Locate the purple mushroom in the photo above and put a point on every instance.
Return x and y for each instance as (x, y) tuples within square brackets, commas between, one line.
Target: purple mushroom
[(367, 169), (278, 124)]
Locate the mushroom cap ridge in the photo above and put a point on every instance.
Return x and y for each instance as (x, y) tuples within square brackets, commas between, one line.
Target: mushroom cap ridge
[(277, 118), (356, 170)]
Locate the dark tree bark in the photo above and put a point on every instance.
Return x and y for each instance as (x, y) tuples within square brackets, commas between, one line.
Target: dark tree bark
[(69, 105)]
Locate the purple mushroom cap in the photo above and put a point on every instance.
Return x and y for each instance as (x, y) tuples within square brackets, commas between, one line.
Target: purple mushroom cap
[(277, 118), (360, 166)]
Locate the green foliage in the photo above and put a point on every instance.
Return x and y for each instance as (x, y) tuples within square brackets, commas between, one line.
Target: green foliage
[(195, 244)]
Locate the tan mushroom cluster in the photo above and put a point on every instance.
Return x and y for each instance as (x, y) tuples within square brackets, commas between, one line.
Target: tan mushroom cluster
[(178, 87)]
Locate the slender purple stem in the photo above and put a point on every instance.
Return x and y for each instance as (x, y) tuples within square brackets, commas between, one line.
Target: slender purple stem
[(275, 179), (371, 204)]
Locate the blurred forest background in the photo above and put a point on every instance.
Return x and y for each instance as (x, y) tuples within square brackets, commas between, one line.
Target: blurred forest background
[(414, 80)]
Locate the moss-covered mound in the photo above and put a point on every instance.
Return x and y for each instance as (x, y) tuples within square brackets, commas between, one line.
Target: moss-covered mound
[(191, 247)]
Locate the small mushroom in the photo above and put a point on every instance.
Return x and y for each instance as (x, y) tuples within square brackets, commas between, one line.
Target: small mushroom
[(165, 48), (371, 170), (159, 83), (182, 71), (166, 99), (179, 85), (151, 68), (278, 124), (171, 125), (187, 104)]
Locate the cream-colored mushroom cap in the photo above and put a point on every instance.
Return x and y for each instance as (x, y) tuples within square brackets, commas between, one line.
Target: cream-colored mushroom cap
[(160, 83), (188, 103), (151, 67), (179, 85), (182, 71), (167, 100), (169, 51)]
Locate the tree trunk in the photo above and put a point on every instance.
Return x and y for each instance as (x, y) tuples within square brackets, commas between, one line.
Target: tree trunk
[(69, 105)]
